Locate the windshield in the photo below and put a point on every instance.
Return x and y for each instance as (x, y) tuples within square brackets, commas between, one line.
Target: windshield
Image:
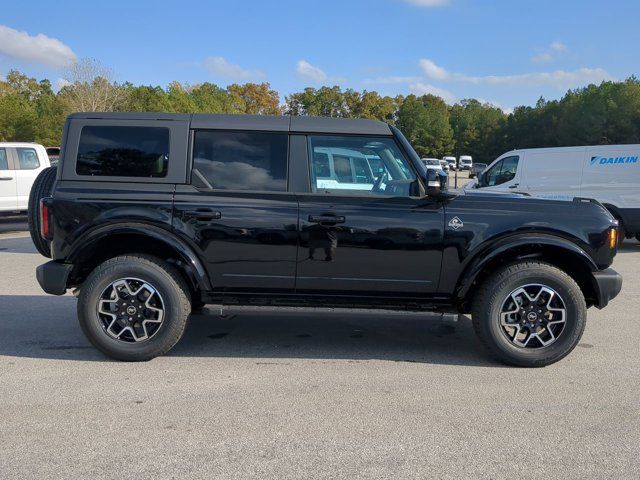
[(432, 162)]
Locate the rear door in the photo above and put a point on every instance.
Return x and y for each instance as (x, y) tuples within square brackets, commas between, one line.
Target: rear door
[(237, 210), (8, 192), (28, 166), (379, 241)]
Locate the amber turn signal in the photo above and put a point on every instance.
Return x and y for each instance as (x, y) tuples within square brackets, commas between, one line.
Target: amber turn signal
[(613, 238)]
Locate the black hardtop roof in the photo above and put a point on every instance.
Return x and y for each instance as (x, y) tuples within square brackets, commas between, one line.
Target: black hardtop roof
[(271, 123)]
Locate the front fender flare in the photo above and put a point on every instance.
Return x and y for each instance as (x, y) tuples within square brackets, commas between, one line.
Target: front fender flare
[(495, 248)]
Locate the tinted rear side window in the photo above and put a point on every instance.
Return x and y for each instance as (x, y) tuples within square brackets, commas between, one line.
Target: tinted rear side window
[(242, 160), (123, 151)]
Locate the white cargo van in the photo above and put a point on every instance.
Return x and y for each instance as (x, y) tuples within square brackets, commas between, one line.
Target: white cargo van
[(465, 163), (610, 174), (20, 164)]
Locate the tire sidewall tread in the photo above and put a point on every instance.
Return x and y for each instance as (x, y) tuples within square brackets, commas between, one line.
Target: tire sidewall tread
[(164, 277), (488, 302)]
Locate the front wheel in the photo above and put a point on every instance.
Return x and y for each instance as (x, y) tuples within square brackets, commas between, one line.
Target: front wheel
[(529, 314), (134, 307)]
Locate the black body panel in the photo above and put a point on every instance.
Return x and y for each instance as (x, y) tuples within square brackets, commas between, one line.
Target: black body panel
[(248, 241), (350, 244)]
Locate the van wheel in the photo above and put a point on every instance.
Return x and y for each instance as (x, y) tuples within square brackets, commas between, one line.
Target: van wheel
[(41, 188), (134, 307), (529, 314)]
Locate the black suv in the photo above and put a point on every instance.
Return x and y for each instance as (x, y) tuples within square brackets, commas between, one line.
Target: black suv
[(151, 215)]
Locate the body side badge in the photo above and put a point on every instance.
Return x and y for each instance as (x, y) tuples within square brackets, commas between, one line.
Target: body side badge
[(456, 223)]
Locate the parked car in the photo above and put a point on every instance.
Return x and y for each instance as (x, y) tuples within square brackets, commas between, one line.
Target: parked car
[(444, 165), (465, 163), (153, 215), (477, 169), (452, 162), (610, 174), (432, 164), (54, 154), (20, 164)]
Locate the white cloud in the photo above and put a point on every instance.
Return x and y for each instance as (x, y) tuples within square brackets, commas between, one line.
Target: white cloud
[(219, 66), (558, 78), (555, 50), (433, 71), (558, 47), (307, 70), (428, 3), (420, 88), (38, 49), (544, 57)]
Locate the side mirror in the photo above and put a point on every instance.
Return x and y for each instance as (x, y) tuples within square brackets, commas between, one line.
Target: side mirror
[(437, 182)]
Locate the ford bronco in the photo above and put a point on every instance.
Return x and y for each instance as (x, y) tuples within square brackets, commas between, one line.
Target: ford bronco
[(149, 216)]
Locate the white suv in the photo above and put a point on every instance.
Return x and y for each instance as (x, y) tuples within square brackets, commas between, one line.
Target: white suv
[(20, 164)]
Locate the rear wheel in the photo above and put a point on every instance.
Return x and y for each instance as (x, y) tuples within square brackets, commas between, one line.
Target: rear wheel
[(529, 314), (42, 187), (134, 307)]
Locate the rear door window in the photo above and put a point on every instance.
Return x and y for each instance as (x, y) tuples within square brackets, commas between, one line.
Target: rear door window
[(126, 151), (252, 161), (27, 158)]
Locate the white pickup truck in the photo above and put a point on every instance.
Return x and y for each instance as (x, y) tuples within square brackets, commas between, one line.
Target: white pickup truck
[(20, 164)]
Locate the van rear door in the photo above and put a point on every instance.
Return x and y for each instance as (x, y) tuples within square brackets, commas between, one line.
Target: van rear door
[(611, 175)]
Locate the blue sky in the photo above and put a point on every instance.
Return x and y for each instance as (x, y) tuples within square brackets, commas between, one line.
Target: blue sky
[(506, 52)]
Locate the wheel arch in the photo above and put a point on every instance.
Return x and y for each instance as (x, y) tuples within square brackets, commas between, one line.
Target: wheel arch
[(105, 242), (554, 250)]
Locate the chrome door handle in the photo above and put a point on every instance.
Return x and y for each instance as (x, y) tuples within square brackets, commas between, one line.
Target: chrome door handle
[(204, 214), (326, 219)]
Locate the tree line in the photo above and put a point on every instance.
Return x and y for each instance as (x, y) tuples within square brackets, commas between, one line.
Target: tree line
[(609, 113)]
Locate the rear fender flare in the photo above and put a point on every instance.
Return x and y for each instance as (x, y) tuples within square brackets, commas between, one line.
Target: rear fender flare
[(185, 252)]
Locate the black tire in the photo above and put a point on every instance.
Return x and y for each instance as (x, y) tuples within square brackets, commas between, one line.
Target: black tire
[(491, 296), (164, 278), (42, 187)]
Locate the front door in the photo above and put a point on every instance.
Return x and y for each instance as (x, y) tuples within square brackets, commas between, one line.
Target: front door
[(237, 211), (364, 232), (503, 176), (8, 192)]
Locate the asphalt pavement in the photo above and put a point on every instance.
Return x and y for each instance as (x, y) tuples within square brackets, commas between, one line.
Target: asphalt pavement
[(303, 394)]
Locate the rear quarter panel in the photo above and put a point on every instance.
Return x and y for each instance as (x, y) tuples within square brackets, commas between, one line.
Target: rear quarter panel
[(82, 207)]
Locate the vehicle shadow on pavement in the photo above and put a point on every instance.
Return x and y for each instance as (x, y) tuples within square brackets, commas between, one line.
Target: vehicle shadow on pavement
[(18, 245), (34, 326), (13, 224)]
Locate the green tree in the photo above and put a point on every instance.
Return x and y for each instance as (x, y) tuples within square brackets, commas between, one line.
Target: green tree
[(425, 122), (478, 129)]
